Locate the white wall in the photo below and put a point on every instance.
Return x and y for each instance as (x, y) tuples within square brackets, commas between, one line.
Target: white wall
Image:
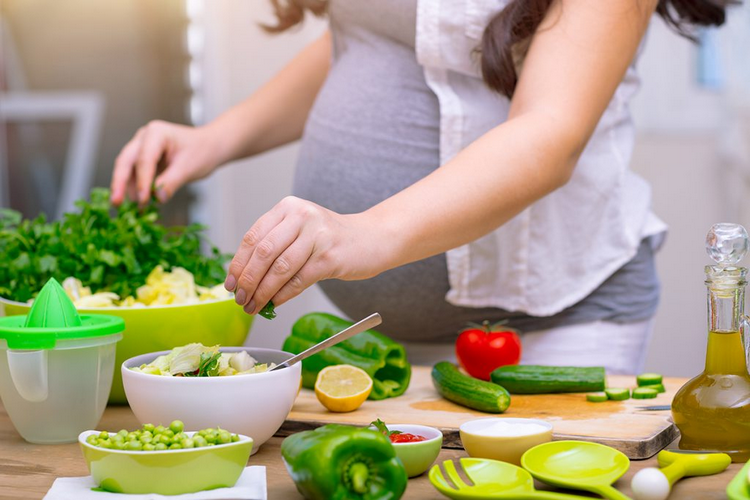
[(677, 151)]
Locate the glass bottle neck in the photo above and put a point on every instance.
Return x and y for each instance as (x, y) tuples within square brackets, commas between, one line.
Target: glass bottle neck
[(725, 352)]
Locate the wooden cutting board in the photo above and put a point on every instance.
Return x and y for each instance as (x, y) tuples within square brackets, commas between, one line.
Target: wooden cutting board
[(638, 434)]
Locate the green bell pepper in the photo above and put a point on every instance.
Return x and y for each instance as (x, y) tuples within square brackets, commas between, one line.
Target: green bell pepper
[(341, 462), (382, 358)]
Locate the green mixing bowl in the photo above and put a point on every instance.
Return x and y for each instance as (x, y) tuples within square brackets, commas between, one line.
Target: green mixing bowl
[(169, 472), (162, 328)]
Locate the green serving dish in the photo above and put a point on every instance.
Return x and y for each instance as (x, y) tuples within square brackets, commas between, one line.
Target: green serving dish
[(169, 472), (739, 488)]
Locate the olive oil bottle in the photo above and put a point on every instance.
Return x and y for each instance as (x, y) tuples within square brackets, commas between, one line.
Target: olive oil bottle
[(712, 410)]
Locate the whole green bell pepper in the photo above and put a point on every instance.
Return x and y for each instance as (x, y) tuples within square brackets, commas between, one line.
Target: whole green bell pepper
[(341, 462), (382, 358)]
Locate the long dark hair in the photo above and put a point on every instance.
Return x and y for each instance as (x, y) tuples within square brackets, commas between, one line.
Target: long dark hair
[(517, 22)]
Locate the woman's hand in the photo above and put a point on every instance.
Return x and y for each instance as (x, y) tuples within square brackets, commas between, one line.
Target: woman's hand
[(182, 153), (296, 244)]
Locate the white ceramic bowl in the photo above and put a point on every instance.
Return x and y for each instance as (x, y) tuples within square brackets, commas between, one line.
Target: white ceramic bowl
[(254, 405)]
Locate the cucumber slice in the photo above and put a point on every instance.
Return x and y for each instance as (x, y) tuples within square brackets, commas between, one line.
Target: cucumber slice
[(617, 393), (648, 379), (645, 393), (658, 387), (597, 397)]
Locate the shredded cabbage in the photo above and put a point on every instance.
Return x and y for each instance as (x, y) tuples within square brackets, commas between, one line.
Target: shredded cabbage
[(197, 360)]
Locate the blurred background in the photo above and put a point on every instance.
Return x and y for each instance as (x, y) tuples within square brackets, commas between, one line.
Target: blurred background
[(77, 79)]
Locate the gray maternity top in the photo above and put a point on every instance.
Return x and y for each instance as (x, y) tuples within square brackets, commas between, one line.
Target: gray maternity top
[(373, 131)]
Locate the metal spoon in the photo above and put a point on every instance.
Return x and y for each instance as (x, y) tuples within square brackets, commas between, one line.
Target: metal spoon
[(371, 321)]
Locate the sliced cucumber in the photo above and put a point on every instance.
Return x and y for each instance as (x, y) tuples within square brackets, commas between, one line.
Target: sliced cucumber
[(644, 393), (597, 397), (658, 387), (469, 391), (617, 393), (645, 379)]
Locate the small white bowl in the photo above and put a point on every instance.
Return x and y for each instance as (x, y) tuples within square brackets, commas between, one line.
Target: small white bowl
[(504, 448), (254, 405)]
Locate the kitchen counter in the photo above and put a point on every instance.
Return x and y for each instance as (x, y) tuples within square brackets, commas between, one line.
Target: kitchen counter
[(28, 470)]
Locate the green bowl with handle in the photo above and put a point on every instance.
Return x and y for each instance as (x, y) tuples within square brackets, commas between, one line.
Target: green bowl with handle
[(161, 328), (168, 472)]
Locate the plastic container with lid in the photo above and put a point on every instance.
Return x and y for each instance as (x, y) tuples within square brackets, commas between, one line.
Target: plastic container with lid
[(56, 367)]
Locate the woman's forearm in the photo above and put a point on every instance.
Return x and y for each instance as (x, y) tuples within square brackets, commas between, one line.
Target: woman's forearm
[(276, 114), (483, 187)]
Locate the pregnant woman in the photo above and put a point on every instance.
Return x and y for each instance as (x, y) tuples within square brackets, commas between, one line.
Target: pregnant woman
[(461, 160)]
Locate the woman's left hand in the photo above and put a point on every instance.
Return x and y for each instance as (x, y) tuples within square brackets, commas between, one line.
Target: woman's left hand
[(296, 244)]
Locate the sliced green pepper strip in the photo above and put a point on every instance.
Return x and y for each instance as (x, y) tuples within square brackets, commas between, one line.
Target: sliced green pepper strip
[(338, 462), (382, 358)]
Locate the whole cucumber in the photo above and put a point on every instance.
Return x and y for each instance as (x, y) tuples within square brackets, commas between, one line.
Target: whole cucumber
[(469, 391), (536, 379)]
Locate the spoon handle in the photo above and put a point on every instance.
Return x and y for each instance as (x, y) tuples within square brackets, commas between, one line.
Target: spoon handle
[(611, 493), (548, 495), (371, 321)]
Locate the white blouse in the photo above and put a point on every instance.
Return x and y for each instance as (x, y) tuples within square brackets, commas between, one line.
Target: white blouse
[(561, 248)]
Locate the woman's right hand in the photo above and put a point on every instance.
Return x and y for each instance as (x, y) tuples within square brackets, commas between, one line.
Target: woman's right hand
[(167, 155)]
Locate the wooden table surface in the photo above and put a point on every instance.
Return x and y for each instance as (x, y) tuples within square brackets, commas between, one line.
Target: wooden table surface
[(28, 470)]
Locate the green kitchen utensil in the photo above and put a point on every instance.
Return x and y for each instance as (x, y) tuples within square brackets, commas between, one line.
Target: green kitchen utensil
[(578, 465), (739, 487), (56, 367), (655, 484), (491, 479)]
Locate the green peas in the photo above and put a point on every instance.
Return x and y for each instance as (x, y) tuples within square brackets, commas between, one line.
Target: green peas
[(159, 429), (149, 447), (146, 439), (200, 441), (131, 436), (224, 437), (119, 445), (187, 443), (104, 435), (177, 426), (235, 438), (168, 433), (148, 427), (92, 439), (122, 432), (175, 446), (160, 446), (134, 446)]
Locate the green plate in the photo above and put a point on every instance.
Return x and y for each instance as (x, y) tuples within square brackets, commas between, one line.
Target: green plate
[(167, 472), (738, 488)]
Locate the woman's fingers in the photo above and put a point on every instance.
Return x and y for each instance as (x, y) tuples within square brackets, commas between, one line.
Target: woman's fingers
[(287, 267), (261, 246), (153, 148), (124, 165)]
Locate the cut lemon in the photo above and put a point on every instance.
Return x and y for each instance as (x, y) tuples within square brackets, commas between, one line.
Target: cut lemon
[(342, 388)]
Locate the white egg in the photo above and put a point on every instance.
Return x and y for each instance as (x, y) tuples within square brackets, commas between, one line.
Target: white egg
[(650, 484)]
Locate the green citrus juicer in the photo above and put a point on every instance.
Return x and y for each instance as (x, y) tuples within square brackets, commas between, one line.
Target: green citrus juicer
[(56, 367), (655, 484)]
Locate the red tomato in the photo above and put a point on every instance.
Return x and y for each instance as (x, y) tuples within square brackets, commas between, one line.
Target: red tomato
[(406, 438), (482, 348)]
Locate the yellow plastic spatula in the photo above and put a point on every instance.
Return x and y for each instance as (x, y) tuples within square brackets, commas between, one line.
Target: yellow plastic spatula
[(655, 484)]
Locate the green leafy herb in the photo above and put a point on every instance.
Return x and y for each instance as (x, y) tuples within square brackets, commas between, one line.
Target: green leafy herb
[(109, 249), (208, 367), (382, 428), (268, 311)]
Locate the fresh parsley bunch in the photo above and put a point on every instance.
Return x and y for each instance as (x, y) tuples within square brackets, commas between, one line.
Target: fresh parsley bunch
[(109, 249)]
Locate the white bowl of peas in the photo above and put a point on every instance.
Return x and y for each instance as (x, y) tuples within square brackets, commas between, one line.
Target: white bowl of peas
[(136, 461), (253, 404)]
